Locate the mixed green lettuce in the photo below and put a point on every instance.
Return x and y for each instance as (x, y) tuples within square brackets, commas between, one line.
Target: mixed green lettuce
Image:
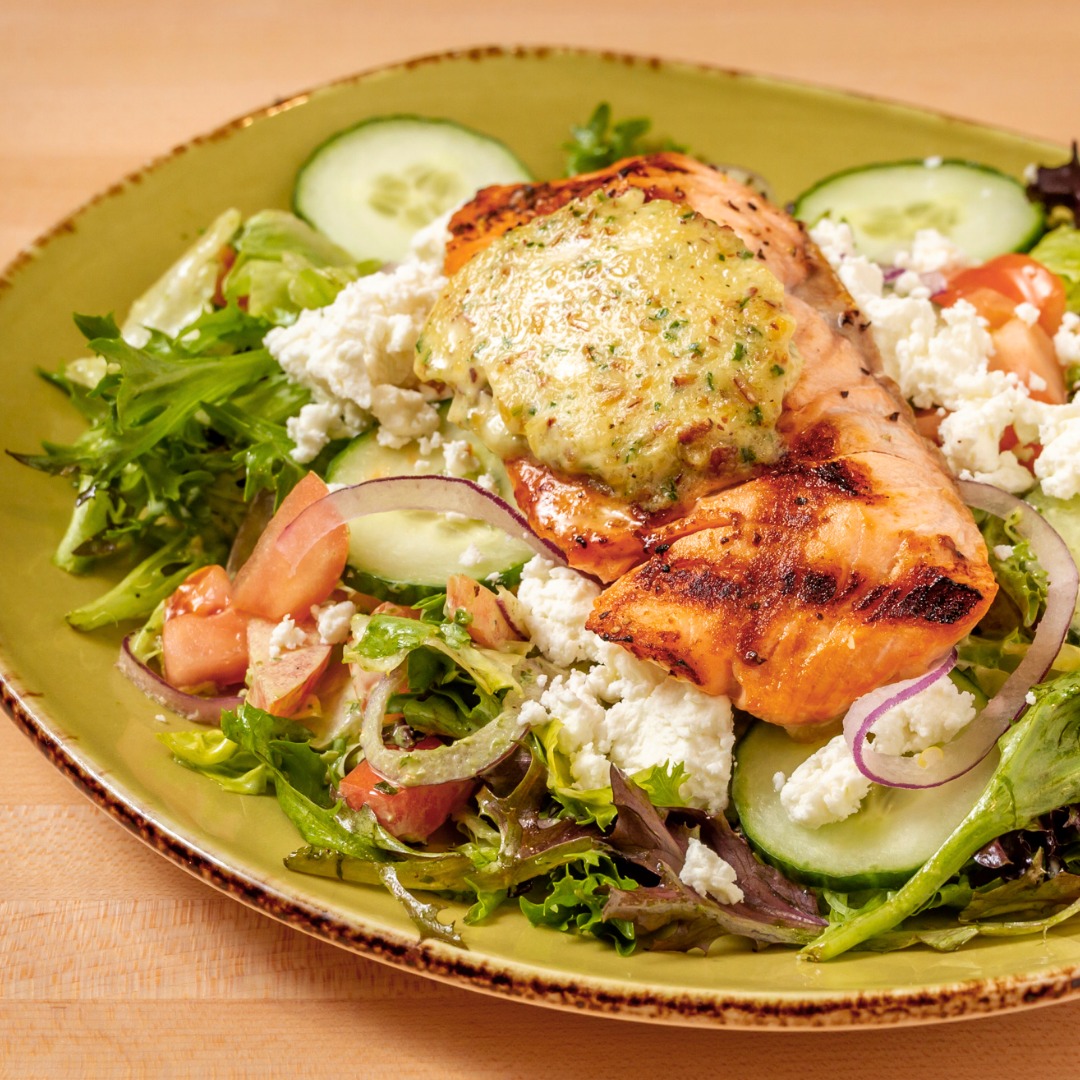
[(186, 409)]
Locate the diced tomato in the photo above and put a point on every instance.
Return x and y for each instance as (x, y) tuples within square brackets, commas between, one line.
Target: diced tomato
[(201, 649), (1029, 353), (204, 638), (205, 592), (1019, 278), (282, 684), (487, 625), (412, 813), (268, 585)]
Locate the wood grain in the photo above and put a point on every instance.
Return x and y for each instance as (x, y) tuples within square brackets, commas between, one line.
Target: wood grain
[(114, 962)]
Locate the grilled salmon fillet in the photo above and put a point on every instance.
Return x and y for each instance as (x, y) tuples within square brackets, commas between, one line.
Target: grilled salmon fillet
[(848, 564)]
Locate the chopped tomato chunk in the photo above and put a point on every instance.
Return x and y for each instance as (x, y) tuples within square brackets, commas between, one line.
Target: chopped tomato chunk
[(205, 592), (488, 626), (201, 649), (1020, 278), (410, 813), (281, 684), (268, 584), (204, 638)]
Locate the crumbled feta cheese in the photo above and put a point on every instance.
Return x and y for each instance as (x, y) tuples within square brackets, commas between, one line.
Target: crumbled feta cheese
[(356, 354), (488, 482), (161, 718), (556, 601), (334, 621), (471, 556), (826, 787), (316, 424), (403, 415), (940, 358), (932, 253), (929, 718), (459, 457), (619, 709), (707, 873), (428, 444), (1058, 466), (778, 781), (1027, 313), (1030, 697), (286, 636), (1067, 339), (1004, 551)]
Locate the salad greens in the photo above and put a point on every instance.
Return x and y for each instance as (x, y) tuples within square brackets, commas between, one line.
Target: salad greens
[(1059, 250), (186, 413), (598, 142), (1039, 771), (186, 409)]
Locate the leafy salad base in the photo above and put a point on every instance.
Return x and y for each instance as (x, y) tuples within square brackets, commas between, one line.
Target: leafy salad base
[(104, 730)]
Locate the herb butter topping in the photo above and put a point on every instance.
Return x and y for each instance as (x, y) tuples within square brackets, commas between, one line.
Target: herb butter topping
[(634, 342)]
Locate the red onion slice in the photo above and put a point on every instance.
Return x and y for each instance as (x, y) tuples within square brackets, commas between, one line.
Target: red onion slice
[(462, 759), (975, 741), (204, 710), (441, 494)]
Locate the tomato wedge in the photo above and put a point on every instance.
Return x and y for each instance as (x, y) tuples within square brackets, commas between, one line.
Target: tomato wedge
[(204, 638), (268, 585), (410, 813), (1019, 278)]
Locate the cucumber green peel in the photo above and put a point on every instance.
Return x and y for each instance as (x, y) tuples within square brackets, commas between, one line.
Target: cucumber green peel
[(982, 210), (1039, 771)]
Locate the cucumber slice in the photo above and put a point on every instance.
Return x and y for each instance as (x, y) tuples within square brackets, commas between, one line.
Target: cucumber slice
[(372, 186), (405, 555), (880, 846), (983, 211)]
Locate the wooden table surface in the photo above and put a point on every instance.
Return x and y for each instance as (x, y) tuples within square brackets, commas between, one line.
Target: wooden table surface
[(114, 962)]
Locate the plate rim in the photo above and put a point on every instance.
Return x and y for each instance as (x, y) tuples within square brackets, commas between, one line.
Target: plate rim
[(506, 977)]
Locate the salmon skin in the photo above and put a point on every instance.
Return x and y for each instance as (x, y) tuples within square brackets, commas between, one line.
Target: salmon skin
[(849, 564)]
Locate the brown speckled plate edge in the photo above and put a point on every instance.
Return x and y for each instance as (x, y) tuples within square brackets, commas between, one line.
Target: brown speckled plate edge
[(460, 968)]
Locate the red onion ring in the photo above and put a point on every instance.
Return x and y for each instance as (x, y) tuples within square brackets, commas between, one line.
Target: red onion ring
[(972, 744), (204, 710), (441, 494), (462, 759), (908, 772)]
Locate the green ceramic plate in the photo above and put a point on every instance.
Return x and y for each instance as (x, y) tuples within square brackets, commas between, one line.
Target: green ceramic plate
[(62, 688)]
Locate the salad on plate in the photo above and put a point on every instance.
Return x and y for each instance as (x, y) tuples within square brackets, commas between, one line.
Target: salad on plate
[(621, 548)]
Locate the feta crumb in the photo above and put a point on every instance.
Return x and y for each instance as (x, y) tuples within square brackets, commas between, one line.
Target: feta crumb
[(488, 482), (286, 636), (556, 601), (826, 787), (707, 873), (471, 556), (1067, 339), (619, 709), (1027, 313), (929, 718), (356, 354), (778, 781), (428, 444), (1004, 551), (459, 457), (334, 621), (161, 718), (1030, 697), (403, 415)]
